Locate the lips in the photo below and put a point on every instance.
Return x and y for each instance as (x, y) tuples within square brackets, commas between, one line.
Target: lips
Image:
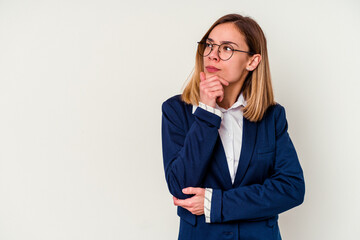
[(212, 69)]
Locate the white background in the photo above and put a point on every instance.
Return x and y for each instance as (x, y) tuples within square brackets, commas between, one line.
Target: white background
[(81, 87)]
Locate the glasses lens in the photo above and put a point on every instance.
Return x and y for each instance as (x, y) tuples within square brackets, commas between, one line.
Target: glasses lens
[(207, 48), (225, 51), (204, 48)]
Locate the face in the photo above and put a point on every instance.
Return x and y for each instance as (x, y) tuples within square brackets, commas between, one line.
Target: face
[(234, 69)]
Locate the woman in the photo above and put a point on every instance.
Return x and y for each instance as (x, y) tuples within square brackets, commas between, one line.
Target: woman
[(229, 161)]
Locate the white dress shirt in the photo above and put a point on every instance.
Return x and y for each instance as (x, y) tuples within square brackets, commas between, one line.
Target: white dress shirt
[(230, 132)]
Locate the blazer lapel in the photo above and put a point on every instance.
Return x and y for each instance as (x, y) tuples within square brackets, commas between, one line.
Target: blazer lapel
[(247, 148), (222, 166)]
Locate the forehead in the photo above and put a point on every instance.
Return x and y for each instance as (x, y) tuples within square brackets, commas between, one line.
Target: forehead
[(227, 32)]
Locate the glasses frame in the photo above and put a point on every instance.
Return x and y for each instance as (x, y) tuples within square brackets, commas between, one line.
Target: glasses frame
[(212, 48)]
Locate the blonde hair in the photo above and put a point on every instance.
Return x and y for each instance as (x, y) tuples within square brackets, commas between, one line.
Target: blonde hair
[(257, 88)]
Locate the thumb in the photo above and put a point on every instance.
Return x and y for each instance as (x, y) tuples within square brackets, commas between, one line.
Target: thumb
[(202, 76)]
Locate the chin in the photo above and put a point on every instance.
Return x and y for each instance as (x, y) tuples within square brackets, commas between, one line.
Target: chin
[(215, 74), (212, 74)]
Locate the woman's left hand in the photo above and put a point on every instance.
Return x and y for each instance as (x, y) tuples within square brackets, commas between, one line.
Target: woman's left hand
[(195, 204)]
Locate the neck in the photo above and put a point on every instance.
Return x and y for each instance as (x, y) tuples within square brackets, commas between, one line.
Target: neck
[(231, 94)]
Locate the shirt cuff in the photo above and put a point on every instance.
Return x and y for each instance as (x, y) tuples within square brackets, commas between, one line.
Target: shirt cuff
[(207, 204), (211, 109)]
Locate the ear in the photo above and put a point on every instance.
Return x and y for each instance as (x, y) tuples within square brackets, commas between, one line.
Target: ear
[(253, 62)]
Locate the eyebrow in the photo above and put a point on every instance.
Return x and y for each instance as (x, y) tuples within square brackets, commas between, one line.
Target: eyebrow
[(222, 42)]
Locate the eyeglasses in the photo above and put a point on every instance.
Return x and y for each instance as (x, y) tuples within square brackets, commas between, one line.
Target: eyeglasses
[(225, 50)]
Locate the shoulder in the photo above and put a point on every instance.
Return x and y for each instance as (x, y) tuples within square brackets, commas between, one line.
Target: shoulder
[(176, 113), (175, 107), (174, 103), (275, 111), (275, 116)]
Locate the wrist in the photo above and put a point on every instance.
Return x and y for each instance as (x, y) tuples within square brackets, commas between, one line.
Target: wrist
[(210, 109), (208, 103)]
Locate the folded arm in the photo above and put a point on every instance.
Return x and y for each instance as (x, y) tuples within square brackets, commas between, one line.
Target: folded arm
[(186, 155)]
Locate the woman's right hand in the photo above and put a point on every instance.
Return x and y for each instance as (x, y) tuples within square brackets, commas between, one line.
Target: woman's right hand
[(211, 88)]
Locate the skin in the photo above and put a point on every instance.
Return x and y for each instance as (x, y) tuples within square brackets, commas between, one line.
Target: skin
[(222, 88)]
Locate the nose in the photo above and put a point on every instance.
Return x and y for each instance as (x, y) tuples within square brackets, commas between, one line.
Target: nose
[(214, 54)]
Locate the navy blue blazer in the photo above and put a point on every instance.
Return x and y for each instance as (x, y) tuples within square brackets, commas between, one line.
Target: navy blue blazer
[(269, 178)]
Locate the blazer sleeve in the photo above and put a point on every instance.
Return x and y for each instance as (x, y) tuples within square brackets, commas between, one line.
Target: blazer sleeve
[(186, 154), (283, 190)]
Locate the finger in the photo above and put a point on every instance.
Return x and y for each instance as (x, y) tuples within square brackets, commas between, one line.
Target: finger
[(211, 84), (218, 94), (176, 202), (220, 98), (188, 190), (198, 212), (181, 203), (214, 95), (191, 190), (202, 76), (215, 89), (213, 78), (224, 82)]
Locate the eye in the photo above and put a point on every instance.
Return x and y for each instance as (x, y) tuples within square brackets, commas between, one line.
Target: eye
[(208, 45), (226, 48)]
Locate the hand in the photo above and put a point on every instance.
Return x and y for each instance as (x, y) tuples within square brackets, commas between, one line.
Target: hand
[(195, 204), (211, 88)]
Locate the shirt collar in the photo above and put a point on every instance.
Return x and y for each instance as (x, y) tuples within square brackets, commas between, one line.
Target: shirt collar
[(239, 102)]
